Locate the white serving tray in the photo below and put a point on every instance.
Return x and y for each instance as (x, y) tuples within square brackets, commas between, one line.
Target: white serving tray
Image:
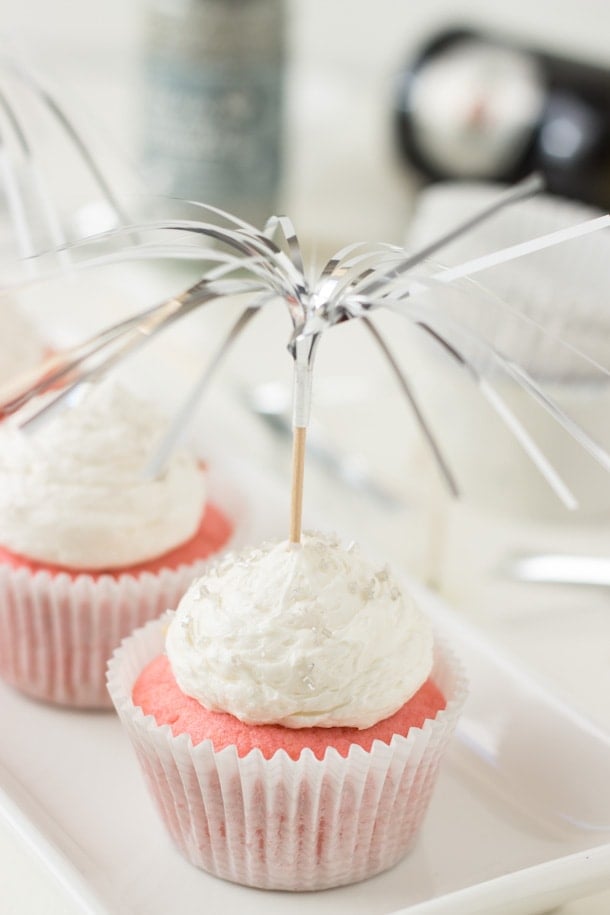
[(520, 820)]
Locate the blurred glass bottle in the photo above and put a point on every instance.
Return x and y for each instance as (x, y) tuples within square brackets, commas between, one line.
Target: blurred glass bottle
[(212, 102), (474, 106)]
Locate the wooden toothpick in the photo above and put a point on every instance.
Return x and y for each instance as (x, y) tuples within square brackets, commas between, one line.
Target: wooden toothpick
[(298, 468)]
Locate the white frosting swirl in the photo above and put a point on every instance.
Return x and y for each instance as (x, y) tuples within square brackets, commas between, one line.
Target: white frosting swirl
[(307, 635), (73, 492), (21, 346)]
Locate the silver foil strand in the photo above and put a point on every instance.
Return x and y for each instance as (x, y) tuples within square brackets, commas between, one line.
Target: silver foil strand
[(358, 280)]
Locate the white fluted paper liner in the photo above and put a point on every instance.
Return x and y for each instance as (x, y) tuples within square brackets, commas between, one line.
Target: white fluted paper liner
[(57, 632), (307, 824)]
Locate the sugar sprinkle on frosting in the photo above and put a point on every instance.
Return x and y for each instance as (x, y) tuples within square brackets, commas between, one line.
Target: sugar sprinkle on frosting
[(312, 635)]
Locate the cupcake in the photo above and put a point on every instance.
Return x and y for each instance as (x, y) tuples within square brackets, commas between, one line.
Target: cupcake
[(89, 547), (290, 715)]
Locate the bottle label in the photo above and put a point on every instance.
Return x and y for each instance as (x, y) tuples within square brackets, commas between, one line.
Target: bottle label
[(213, 123)]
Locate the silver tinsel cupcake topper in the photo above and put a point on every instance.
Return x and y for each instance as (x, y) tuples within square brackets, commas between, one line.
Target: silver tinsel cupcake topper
[(242, 261), (352, 285)]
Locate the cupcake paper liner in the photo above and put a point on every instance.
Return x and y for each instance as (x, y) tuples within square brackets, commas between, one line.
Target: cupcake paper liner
[(57, 632), (279, 823)]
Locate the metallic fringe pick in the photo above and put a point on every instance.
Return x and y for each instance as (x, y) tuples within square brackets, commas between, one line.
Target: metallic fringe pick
[(243, 261)]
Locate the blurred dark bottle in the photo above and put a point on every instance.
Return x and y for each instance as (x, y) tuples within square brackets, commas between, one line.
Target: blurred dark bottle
[(212, 102), (476, 107)]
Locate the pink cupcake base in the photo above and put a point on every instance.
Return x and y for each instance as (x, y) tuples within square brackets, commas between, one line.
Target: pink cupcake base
[(281, 823), (158, 694)]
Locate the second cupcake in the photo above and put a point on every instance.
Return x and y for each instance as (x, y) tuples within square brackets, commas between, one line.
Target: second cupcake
[(90, 548)]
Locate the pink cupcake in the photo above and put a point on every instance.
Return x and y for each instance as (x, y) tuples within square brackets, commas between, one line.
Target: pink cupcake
[(290, 716), (89, 547)]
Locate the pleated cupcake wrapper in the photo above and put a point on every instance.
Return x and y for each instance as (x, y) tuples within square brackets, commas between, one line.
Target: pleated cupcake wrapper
[(57, 632), (279, 823), (564, 288)]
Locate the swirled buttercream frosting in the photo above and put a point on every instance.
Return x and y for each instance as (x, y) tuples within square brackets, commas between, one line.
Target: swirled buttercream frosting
[(74, 493), (299, 635)]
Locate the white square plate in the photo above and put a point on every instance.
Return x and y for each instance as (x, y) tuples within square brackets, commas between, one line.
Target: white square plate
[(520, 820)]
